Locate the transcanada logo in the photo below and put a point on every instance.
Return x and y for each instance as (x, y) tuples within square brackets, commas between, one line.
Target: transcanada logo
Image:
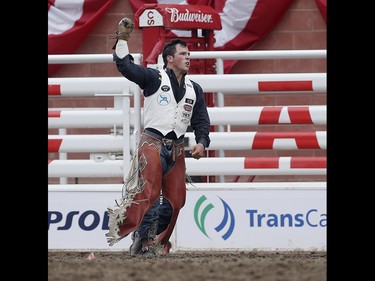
[(201, 212), (310, 218)]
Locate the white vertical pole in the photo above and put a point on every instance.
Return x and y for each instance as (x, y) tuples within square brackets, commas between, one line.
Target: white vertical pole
[(63, 156), (126, 131), (137, 111), (220, 103)]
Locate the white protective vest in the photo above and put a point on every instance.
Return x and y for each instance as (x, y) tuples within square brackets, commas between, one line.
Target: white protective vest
[(163, 113)]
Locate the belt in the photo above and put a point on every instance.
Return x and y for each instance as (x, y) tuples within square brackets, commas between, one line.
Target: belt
[(163, 139), (176, 146)]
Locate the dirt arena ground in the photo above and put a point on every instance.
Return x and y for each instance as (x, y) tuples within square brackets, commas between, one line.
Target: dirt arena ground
[(187, 266)]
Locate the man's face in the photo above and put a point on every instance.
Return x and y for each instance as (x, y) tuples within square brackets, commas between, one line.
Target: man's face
[(181, 60)]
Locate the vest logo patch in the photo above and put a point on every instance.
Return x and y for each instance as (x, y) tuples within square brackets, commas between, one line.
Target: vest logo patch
[(164, 99), (186, 115), (165, 88), (185, 121), (189, 101), (187, 107)]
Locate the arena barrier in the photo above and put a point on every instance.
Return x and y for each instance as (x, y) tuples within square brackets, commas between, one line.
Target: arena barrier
[(219, 140), (221, 215), (250, 115), (120, 87)]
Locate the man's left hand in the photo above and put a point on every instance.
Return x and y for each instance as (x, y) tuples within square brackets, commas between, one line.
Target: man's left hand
[(197, 151)]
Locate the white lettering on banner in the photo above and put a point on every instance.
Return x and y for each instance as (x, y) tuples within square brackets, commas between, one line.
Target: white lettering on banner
[(177, 16)]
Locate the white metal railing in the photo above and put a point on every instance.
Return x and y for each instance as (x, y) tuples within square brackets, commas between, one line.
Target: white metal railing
[(225, 83), (197, 186), (126, 117), (219, 141), (235, 115), (203, 167), (224, 55)]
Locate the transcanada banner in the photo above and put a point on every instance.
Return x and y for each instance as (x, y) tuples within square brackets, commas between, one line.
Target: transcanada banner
[(212, 219), (253, 219)]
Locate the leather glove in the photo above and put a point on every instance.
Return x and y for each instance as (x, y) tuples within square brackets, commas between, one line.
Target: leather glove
[(125, 27)]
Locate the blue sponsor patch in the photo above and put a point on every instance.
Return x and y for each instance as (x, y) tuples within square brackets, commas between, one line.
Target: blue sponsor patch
[(164, 99)]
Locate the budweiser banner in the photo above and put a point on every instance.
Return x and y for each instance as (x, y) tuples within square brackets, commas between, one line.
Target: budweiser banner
[(178, 16), (243, 23)]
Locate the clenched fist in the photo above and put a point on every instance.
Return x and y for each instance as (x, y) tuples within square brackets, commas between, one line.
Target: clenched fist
[(125, 27), (197, 151)]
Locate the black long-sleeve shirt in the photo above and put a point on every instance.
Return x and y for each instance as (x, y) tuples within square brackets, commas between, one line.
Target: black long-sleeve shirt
[(149, 81)]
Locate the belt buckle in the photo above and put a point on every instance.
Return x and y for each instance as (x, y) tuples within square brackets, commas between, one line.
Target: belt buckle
[(167, 142)]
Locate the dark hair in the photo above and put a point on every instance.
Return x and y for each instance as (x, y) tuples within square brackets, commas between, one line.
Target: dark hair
[(170, 49)]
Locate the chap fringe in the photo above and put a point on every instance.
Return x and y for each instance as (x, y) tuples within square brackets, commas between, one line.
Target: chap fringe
[(117, 214)]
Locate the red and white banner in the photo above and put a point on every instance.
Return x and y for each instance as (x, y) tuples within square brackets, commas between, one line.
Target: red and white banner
[(69, 23), (244, 22), (322, 6)]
